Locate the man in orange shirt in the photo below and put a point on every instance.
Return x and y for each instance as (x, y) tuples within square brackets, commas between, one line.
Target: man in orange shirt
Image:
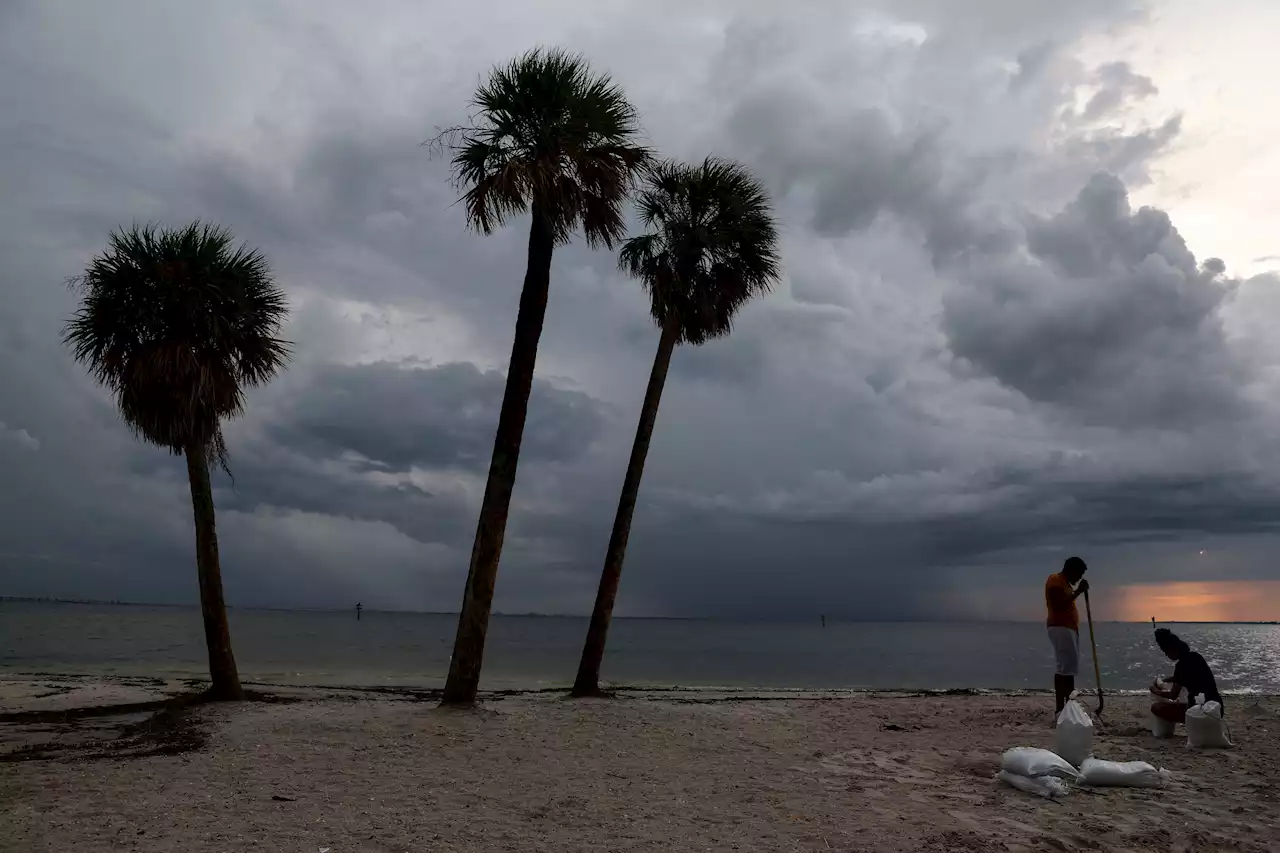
[(1060, 593)]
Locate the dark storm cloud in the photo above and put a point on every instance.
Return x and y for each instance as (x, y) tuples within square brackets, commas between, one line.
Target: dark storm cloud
[(852, 168), (866, 168), (856, 562), (400, 416), (858, 554), (273, 477), (1106, 314), (405, 446)]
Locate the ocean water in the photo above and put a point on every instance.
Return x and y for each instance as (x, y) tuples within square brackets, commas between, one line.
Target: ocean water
[(412, 650)]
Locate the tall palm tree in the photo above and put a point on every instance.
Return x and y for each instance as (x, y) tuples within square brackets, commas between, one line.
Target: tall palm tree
[(712, 246), (176, 324), (553, 138)]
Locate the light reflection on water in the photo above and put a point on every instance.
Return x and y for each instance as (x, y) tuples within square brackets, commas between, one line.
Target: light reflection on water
[(413, 649), (1242, 657)]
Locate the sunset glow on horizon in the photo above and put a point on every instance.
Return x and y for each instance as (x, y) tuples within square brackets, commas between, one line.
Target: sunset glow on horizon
[(1197, 601)]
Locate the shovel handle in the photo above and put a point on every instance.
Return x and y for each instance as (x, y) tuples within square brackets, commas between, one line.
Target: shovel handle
[(1093, 643)]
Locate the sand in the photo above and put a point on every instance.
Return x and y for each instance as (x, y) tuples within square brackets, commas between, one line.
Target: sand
[(342, 771)]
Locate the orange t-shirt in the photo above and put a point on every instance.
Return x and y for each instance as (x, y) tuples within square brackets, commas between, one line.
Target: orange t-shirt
[(1060, 603)]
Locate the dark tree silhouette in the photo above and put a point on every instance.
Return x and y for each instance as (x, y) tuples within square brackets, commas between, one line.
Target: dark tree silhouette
[(176, 324), (555, 139), (711, 246)]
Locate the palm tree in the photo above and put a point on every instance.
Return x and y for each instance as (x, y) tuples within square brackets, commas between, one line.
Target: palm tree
[(712, 246), (176, 324), (555, 139)]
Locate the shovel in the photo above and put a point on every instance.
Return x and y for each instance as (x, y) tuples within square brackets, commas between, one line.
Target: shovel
[(1097, 671)]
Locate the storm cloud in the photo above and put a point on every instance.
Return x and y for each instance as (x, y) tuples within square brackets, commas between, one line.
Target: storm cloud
[(991, 348), (399, 417), (1105, 313)]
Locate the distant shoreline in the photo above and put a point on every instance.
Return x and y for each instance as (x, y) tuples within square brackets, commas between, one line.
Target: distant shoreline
[(831, 619)]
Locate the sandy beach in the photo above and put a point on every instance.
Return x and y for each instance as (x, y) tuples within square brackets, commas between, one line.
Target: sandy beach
[(343, 771)]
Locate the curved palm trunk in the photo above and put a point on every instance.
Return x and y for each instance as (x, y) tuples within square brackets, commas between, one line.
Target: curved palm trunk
[(588, 681), (473, 622), (217, 634)]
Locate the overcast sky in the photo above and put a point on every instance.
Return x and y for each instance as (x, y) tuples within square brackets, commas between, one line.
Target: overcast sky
[(1028, 306)]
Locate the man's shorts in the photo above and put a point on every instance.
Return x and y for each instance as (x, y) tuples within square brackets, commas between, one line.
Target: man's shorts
[(1066, 650)]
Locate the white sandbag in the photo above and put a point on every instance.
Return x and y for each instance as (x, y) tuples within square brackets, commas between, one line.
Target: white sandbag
[(1074, 735), (1160, 727), (1030, 761), (1205, 727), (1049, 787), (1121, 774)]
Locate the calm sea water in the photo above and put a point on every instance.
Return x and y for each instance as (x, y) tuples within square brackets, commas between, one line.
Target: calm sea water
[(411, 649)]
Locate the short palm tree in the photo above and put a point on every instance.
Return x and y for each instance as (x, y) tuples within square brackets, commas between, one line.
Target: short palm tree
[(176, 324), (559, 141), (712, 246)]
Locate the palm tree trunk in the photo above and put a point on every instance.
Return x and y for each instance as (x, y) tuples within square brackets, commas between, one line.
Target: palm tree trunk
[(225, 681), (588, 681), (473, 622)]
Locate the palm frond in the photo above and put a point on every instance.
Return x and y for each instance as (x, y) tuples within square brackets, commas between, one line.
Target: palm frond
[(551, 133), (176, 323), (711, 247)]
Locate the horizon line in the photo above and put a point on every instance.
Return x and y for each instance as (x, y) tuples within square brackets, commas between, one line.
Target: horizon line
[(537, 615)]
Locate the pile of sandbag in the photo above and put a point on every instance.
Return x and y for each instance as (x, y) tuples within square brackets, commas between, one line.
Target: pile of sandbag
[(1051, 774), (1036, 771)]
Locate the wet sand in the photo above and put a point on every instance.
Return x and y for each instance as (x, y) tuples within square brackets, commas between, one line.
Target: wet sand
[(359, 771)]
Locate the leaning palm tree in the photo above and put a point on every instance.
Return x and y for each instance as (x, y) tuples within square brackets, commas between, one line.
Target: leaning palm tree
[(712, 246), (555, 139), (176, 324)]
